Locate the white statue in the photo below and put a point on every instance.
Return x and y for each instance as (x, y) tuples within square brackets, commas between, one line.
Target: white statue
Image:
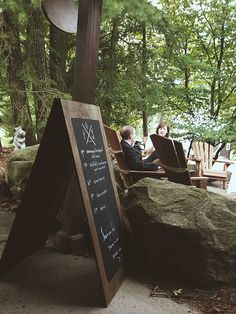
[(19, 138)]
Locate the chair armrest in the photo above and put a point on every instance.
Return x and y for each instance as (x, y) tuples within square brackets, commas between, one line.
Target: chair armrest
[(147, 171), (227, 162), (199, 178), (128, 171), (174, 169), (194, 159)]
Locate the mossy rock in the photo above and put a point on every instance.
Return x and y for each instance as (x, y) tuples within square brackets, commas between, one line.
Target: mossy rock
[(19, 165)]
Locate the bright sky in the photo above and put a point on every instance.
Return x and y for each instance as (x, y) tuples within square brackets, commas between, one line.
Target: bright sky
[(154, 2)]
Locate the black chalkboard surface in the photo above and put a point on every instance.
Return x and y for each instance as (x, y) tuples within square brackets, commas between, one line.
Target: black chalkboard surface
[(100, 190)]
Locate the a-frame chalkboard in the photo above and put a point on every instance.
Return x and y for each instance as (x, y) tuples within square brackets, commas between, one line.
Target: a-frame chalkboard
[(74, 138)]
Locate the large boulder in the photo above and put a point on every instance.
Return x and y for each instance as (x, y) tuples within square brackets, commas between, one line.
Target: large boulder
[(184, 231), (19, 165)]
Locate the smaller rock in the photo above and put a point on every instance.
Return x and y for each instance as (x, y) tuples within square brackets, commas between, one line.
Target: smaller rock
[(19, 165)]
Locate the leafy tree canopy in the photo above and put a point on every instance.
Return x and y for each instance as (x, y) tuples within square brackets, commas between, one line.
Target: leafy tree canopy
[(174, 59)]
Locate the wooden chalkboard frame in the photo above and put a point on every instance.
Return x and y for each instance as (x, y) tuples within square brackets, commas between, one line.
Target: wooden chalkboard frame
[(55, 162)]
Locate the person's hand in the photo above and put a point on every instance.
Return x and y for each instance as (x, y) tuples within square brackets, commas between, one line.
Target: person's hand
[(156, 161)]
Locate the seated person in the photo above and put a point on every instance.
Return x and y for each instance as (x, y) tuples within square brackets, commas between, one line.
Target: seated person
[(162, 129), (133, 153)]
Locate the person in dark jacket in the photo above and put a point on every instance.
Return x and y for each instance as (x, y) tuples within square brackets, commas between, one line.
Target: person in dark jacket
[(132, 152)]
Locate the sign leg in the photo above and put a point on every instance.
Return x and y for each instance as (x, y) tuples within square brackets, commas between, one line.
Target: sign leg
[(71, 213)]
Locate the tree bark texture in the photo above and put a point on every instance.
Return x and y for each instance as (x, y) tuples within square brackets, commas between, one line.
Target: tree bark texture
[(37, 60), (17, 89), (110, 70), (57, 62), (144, 68)]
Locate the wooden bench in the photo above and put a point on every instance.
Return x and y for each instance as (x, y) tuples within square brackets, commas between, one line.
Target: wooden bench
[(128, 176), (172, 159)]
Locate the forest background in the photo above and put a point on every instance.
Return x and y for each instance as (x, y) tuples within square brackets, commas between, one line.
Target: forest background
[(172, 58)]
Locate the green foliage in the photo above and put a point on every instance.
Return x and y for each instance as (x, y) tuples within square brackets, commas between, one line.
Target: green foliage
[(141, 10), (200, 72), (130, 87), (176, 61)]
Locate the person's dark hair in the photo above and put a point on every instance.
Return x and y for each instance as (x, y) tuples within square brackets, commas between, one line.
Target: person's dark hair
[(125, 131), (161, 125)]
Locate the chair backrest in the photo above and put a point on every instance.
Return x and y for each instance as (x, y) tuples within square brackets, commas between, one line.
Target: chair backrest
[(172, 159), (112, 138), (204, 152), (114, 145)]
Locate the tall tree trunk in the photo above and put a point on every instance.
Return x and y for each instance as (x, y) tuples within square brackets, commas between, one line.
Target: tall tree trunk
[(145, 124), (219, 68), (17, 89), (37, 61), (212, 98), (58, 53), (186, 81), (219, 150), (144, 69), (110, 68)]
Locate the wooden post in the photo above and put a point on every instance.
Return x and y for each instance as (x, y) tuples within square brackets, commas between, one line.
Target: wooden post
[(88, 30), (72, 235)]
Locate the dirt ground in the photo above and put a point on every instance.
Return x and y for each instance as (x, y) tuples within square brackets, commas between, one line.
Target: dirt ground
[(212, 300)]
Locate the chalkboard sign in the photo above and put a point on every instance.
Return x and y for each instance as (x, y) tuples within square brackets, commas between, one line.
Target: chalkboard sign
[(101, 192), (74, 140), (98, 189)]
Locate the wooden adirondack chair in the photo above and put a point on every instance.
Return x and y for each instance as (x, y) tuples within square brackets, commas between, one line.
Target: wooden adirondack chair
[(128, 176), (203, 156), (172, 159)]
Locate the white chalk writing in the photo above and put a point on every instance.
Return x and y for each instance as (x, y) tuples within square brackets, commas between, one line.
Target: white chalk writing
[(95, 181), (88, 133), (101, 193)]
